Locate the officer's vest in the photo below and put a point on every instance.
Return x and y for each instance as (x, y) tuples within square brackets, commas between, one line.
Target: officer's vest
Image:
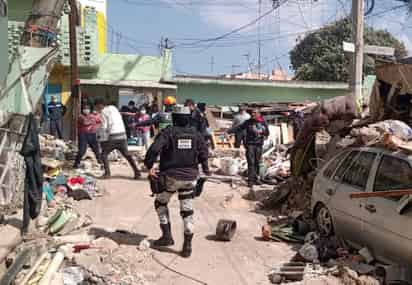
[(165, 120), (182, 150)]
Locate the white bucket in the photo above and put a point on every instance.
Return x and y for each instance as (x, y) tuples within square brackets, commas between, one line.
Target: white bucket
[(229, 166)]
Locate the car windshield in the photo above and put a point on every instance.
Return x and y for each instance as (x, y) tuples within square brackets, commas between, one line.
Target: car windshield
[(354, 170)]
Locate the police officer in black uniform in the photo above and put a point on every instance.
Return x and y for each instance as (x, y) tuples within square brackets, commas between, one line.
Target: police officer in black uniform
[(56, 112), (181, 150)]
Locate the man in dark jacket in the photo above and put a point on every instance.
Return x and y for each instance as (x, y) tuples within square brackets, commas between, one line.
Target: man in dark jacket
[(128, 115), (181, 150), (56, 113), (257, 131), (196, 115)]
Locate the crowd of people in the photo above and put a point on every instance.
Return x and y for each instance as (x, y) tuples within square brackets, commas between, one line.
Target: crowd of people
[(182, 143)]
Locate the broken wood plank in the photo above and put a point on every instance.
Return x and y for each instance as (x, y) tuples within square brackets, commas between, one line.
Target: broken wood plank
[(390, 193), (15, 268)]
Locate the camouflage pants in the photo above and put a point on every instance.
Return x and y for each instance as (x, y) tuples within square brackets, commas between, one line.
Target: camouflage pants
[(185, 195)]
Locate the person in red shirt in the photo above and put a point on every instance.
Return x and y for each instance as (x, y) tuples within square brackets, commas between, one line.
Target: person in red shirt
[(88, 124)]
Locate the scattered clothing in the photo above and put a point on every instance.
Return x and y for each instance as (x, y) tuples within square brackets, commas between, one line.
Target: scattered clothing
[(33, 183)]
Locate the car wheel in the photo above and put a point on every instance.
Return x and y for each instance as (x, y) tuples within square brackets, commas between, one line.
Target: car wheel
[(324, 221)]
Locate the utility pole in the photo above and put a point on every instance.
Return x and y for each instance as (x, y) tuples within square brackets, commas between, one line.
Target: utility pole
[(358, 8), (249, 66), (259, 40), (74, 69)]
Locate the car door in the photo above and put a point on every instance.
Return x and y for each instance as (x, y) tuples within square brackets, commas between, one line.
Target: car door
[(389, 219), (324, 184), (353, 176)]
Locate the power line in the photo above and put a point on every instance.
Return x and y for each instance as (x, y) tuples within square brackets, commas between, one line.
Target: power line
[(243, 27)]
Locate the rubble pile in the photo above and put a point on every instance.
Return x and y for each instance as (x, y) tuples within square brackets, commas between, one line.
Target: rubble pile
[(318, 258), (391, 134), (293, 194), (77, 259)]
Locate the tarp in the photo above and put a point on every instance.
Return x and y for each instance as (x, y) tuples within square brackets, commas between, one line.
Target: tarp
[(396, 74), (26, 80)]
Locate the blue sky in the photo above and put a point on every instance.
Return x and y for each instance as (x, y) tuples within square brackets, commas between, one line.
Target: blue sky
[(137, 26)]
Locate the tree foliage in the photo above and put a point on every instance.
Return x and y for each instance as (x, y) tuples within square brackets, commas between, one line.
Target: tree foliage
[(320, 57)]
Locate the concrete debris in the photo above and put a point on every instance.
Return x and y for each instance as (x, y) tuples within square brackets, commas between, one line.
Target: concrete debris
[(119, 266), (311, 274), (105, 243), (144, 245)]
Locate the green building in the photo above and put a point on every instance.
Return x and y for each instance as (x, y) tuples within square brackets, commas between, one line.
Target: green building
[(231, 92)]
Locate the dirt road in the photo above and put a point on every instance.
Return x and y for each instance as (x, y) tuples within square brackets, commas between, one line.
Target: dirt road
[(245, 260)]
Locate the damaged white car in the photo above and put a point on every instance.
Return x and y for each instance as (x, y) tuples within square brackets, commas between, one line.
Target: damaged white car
[(382, 224)]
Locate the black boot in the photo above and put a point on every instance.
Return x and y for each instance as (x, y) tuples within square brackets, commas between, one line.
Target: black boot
[(137, 175), (187, 246), (166, 239)]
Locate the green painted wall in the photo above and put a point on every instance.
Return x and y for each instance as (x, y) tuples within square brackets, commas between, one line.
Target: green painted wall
[(230, 95), (19, 10)]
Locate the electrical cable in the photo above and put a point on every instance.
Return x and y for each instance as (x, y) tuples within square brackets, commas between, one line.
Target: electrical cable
[(177, 272), (239, 28)]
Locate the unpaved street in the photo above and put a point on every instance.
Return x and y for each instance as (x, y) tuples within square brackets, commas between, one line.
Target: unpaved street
[(127, 206)]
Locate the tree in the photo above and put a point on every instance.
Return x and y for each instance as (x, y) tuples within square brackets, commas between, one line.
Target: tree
[(320, 57)]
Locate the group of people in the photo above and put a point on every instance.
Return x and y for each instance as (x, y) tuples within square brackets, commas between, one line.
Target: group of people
[(132, 115), (102, 128), (182, 143)]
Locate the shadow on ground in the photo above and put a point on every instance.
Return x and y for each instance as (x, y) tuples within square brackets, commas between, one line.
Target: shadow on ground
[(119, 236)]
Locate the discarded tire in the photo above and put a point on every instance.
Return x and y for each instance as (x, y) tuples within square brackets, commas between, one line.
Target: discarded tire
[(225, 230)]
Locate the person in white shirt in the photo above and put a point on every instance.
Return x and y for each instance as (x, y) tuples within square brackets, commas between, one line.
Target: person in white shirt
[(112, 136), (240, 118)]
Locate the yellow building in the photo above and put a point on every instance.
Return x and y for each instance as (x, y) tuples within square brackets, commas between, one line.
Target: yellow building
[(92, 44)]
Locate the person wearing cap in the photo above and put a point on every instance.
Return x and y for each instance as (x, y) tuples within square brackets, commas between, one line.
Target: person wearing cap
[(240, 118), (88, 124), (112, 136), (162, 119), (257, 131), (181, 149), (56, 112)]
